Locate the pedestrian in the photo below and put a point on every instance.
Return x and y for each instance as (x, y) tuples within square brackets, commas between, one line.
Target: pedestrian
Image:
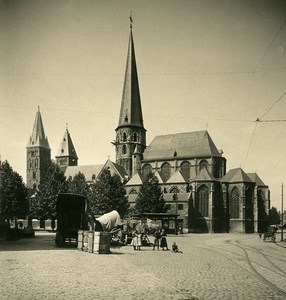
[(163, 243), (157, 236), (139, 240), (175, 248), (134, 241)]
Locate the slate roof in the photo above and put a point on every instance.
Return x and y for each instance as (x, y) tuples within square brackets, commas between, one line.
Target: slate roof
[(118, 169), (177, 177), (87, 170), (235, 175), (38, 137), (131, 111), (203, 175), (66, 147), (181, 145), (137, 179), (255, 178)]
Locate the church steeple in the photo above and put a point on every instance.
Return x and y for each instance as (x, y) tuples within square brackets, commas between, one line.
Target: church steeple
[(38, 153), (38, 137), (66, 155), (131, 111), (130, 132)]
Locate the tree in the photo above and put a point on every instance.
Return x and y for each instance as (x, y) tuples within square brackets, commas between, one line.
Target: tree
[(78, 185), (108, 194), (150, 197), (15, 202), (43, 205), (274, 216)]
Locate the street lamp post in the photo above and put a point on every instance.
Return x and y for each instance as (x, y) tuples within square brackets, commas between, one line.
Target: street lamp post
[(282, 214)]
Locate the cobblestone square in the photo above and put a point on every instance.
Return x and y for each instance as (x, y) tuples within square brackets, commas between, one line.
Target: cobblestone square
[(212, 266)]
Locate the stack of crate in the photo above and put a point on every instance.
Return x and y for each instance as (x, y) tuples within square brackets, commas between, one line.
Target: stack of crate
[(101, 244), (94, 241)]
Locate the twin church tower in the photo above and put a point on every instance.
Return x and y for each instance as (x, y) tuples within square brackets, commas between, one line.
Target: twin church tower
[(130, 141)]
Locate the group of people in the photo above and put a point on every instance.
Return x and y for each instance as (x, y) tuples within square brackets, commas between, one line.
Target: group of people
[(160, 241)]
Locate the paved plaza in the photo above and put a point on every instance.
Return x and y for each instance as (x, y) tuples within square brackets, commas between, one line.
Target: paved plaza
[(212, 266)]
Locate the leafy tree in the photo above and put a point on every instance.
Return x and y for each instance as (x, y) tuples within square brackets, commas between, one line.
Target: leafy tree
[(15, 202), (43, 205), (108, 194), (150, 197), (78, 185), (274, 216)]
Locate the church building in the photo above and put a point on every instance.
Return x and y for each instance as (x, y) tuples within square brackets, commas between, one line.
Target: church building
[(191, 171)]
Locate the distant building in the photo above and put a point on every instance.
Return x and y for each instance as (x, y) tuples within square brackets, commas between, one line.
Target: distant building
[(190, 168), (38, 154)]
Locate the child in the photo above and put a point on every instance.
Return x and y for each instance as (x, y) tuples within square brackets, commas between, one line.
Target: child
[(175, 248)]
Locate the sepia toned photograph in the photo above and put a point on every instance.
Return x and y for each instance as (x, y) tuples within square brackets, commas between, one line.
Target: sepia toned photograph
[(142, 149)]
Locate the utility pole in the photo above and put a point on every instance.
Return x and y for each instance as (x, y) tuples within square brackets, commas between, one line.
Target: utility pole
[(282, 214)]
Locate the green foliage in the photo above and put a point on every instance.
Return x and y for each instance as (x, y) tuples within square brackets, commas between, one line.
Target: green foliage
[(274, 216), (108, 194), (15, 202), (150, 197), (43, 205), (78, 185)]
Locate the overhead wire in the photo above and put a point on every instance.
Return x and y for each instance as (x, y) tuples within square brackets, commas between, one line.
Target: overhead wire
[(251, 82)]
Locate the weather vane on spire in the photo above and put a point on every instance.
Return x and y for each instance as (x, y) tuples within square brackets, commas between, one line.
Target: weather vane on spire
[(131, 20)]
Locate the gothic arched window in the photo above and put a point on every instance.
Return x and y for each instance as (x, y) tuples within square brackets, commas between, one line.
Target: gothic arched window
[(166, 171), (124, 137), (185, 168), (203, 164), (146, 170), (203, 201), (234, 204), (174, 190), (133, 192), (135, 137), (124, 149)]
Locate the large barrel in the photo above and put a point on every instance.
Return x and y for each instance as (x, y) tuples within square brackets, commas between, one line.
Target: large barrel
[(80, 240), (90, 241), (101, 244), (85, 240)]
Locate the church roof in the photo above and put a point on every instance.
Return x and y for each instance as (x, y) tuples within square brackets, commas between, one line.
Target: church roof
[(137, 179), (115, 168), (89, 171), (236, 175), (38, 137), (255, 178), (177, 177), (203, 175), (131, 111), (66, 147), (181, 145)]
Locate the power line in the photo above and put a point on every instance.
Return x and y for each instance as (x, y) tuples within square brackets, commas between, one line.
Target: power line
[(259, 119), (269, 46), (250, 143)]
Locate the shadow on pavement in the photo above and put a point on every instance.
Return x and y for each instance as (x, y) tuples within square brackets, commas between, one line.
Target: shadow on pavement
[(41, 241)]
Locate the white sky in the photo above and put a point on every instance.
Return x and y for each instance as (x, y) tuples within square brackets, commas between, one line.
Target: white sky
[(208, 63)]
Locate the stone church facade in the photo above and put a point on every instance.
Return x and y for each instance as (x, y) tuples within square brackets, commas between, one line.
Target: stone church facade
[(191, 171)]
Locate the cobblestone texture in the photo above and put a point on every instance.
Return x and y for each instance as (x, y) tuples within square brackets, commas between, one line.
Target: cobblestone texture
[(210, 267)]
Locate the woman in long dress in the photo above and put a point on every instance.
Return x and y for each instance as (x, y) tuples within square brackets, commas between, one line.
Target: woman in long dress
[(134, 241), (164, 243)]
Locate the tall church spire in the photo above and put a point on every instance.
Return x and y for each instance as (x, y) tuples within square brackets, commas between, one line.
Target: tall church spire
[(131, 111), (66, 155), (130, 132), (38, 137), (38, 154)]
